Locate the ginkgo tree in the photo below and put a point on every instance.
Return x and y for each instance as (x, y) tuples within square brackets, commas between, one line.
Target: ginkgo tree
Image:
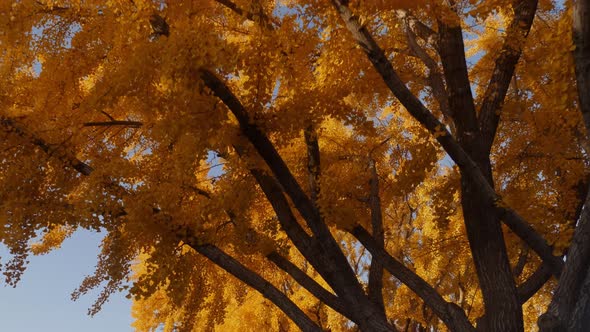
[(280, 165)]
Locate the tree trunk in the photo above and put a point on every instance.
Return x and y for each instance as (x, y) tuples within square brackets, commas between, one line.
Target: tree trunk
[(503, 310), (482, 222), (581, 36)]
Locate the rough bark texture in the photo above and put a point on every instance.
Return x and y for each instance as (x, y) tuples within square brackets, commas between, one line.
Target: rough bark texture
[(580, 320), (568, 292), (581, 36)]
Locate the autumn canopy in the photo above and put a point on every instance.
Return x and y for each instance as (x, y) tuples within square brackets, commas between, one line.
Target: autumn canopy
[(285, 165)]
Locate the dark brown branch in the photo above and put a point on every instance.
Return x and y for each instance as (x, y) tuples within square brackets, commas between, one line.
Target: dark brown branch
[(581, 37), (451, 314), (571, 301), (260, 17), (206, 194), (429, 121), (312, 252), (346, 288), (159, 26), (309, 284), (57, 151), (255, 281), (421, 29), (522, 260), (533, 239), (266, 150), (375, 287), (435, 76), (280, 205), (342, 277), (307, 245), (284, 264), (580, 315), (518, 30), (461, 107), (570, 283), (531, 286), (107, 115), (131, 124), (313, 162)]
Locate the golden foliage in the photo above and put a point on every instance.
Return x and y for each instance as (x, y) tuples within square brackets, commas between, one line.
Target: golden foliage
[(65, 64)]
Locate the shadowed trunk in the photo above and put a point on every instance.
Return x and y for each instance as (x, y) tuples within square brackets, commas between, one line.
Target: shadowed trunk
[(570, 307)]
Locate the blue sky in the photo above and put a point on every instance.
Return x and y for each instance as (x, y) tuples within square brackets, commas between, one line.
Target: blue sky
[(41, 301)]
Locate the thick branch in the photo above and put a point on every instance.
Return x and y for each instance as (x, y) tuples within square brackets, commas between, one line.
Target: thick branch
[(308, 246), (283, 263), (572, 279), (274, 194), (346, 288), (453, 316), (526, 232), (581, 37), (421, 29), (489, 114), (535, 241), (266, 150), (452, 54), (522, 260), (435, 76), (531, 286), (309, 284), (255, 281), (482, 224), (580, 320), (313, 162)]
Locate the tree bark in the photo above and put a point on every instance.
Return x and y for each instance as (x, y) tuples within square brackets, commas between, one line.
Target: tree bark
[(581, 36), (329, 261), (566, 295), (255, 281), (482, 223), (580, 320)]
